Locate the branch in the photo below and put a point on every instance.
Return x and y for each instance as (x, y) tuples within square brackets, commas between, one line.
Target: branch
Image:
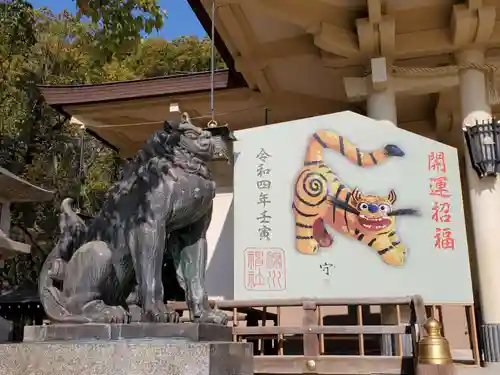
[(60, 121)]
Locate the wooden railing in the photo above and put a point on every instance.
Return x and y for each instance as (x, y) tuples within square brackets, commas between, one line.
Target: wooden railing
[(272, 359), (257, 314)]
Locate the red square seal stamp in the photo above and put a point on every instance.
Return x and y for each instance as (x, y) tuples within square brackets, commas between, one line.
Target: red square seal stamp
[(265, 269)]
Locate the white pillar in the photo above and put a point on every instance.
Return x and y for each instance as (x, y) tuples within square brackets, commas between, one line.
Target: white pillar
[(4, 225), (5, 217), (381, 105), (485, 205)]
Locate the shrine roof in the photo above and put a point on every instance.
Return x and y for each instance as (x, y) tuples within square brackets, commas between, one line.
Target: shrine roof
[(190, 83)]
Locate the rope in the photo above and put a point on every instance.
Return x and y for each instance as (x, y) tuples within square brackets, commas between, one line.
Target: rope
[(212, 68), (160, 121), (488, 70), (81, 172)]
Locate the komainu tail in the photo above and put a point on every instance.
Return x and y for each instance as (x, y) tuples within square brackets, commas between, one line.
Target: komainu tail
[(323, 139), (54, 266)]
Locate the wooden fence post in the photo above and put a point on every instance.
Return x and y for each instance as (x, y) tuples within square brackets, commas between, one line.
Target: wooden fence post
[(311, 340)]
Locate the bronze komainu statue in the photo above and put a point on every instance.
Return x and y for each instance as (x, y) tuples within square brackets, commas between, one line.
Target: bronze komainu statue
[(163, 202)]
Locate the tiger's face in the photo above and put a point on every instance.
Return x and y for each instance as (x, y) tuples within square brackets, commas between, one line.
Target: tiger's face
[(374, 211)]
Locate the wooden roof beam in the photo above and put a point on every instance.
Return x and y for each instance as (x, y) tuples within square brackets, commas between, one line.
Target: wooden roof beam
[(327, 36), (287, 10), (395, 6), (351, 4), (294, 99), (472, 23), (377, 33), (336, 40), (294, 46), (423, 43), (391, 6), (358, 88), (241, 32), (107, 133), (265, 53)]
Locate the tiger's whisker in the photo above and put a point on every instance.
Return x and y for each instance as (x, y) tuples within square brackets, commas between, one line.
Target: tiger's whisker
[(344, 205), (405, 212)]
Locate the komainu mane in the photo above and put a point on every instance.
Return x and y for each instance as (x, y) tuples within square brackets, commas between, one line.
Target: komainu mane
[(163, 202)]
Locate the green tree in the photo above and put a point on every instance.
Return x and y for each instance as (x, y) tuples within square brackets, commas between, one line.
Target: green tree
[(41, 145), (155, 57), (122, 21), (37, 142)]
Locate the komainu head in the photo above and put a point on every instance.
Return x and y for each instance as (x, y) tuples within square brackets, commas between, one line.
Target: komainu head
[(199, 143), (181, 144)]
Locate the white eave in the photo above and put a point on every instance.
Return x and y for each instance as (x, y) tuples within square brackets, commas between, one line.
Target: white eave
[(15, 189), (10, 247)]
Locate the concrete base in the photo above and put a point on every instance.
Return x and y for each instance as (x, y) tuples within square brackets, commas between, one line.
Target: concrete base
[(131, 357), (132, 349)]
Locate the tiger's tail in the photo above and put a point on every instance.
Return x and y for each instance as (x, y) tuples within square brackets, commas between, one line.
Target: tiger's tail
[(324, 139)]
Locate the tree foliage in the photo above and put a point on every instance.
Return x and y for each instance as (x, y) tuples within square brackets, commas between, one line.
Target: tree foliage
[(41, 145), (122, 21)]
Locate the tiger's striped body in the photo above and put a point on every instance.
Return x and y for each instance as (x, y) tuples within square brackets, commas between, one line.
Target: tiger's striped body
[(321, 198)]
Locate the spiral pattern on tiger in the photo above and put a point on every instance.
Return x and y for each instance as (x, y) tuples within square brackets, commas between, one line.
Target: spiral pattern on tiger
[(311, 188)]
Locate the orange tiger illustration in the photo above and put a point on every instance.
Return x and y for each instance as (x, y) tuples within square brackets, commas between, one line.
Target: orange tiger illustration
[(320, 197)]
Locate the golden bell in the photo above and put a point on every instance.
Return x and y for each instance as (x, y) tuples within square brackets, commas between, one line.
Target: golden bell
[(434, 349)]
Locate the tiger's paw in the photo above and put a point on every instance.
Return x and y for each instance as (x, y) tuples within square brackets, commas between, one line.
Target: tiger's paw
[(307, 246), (326, 241), (393, 150)]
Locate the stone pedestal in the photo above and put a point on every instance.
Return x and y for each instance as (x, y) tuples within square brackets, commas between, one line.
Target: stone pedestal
[(188, 331), (131, 349)]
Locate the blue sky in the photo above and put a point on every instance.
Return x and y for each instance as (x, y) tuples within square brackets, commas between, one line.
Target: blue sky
[(181, 19)]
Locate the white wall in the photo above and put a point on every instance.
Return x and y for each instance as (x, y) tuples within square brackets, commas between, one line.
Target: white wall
[(220, 238)]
